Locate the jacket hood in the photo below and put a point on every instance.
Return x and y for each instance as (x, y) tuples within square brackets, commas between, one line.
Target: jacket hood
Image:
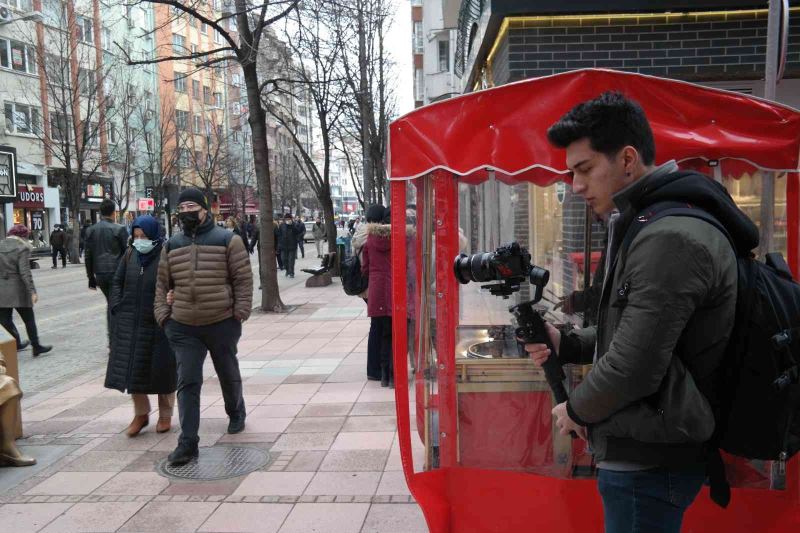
[(379, 230), (704, 193)]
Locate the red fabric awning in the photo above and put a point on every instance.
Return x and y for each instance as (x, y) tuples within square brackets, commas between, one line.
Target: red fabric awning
[(504, 129)]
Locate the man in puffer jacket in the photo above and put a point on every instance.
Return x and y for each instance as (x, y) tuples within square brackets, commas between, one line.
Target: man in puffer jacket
[(209, 271)]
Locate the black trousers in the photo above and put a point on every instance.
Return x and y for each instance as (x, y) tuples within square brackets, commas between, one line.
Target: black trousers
[(288, 258), (63, 253), (379, 346), (302, 249), (30, 323), (191, 343)]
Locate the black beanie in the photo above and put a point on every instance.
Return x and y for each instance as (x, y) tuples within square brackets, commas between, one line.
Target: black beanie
[(193, 195), (375, 213)]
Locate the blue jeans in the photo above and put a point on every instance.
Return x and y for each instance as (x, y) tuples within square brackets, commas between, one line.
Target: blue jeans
[(647, 501)]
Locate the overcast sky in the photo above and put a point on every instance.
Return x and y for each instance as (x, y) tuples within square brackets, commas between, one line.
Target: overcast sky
[(399, 45)]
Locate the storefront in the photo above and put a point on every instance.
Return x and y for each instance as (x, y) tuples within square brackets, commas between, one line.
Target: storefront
[(92, 194), (29, 210)]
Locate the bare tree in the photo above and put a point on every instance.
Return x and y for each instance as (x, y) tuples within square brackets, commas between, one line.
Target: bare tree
[(161, 149), (74, 110), (211, 164), (314, 53), (366, 68), (241, 45)]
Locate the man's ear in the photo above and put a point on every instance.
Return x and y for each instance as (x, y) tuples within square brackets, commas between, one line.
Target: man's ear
[(630, 160)]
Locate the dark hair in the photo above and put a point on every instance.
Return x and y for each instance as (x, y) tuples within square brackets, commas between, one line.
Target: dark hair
[(611, 122), (107, 207)]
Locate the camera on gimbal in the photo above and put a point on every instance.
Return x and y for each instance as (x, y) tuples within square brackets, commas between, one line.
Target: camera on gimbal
[(510, 265)]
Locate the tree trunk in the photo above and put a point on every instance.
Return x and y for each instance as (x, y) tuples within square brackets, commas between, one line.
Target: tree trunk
[(364, 109), (74, 249), (270, 293)]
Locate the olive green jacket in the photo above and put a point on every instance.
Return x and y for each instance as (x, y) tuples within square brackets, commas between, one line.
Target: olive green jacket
[(668, 305)]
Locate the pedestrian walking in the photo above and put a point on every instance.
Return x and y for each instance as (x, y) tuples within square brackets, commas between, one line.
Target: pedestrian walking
[(82, 244), (105, 244), (17, 290), (376, 264), (141, 360), (58, 240), (288, 236), (300, 226), (320, 234), (106, 241), (208, 301)]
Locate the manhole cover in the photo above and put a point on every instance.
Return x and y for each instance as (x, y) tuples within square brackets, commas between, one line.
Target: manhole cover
[(218, 462)]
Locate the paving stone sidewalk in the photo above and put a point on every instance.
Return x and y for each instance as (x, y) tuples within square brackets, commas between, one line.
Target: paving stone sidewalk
[(334, 460)]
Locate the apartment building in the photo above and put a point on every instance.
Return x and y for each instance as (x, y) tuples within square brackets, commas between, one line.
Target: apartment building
[(433, 49)]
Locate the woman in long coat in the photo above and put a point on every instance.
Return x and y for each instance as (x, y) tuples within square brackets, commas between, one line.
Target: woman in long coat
[(141, 360), (16, 287), (376, 264)]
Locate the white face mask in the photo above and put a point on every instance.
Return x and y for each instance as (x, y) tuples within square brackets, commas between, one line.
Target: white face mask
[(144, 246)]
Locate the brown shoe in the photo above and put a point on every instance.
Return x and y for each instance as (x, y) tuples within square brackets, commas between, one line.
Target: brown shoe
[(20, 460), (138, 423), (164, 424)]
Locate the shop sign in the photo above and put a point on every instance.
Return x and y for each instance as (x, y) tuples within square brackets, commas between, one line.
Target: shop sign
[(95, 190), (147, 204), (148, 192), (8, 175), (37, 221), (30, 197)]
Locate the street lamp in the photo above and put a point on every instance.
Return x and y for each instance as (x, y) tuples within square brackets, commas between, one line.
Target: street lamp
[(7, 16)]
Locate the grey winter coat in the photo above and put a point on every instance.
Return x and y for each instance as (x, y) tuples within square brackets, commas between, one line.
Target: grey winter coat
[(16, 281)]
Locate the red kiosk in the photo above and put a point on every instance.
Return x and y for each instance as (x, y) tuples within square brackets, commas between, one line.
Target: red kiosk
[(476, 438)]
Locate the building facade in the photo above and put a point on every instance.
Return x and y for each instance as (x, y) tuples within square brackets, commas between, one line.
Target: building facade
[(433, 49)]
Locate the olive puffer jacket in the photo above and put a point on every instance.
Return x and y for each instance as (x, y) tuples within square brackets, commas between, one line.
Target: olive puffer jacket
[(211, 275), (141, 359)]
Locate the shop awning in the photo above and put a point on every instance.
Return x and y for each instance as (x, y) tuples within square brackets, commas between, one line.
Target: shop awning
[(504, 129)]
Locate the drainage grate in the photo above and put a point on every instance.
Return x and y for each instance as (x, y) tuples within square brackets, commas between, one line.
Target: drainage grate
[(218, 462)]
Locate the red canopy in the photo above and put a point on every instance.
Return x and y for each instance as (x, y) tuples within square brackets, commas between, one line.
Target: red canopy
[(503, 129)]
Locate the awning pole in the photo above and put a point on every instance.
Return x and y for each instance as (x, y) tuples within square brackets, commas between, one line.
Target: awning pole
[(770, 84)]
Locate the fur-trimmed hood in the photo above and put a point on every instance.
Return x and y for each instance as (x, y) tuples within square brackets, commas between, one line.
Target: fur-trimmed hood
[(379, 230)]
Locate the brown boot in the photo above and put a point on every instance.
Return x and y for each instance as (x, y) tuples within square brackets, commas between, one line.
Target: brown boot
[(138, 423), (164, 424)]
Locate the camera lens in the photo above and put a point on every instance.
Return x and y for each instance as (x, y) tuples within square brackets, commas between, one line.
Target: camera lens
[(474, 268)]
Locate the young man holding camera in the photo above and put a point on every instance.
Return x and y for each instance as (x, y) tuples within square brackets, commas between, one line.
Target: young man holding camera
[(664, 318)]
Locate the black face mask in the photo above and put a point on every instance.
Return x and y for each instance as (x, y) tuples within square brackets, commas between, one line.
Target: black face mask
[(189, 220)]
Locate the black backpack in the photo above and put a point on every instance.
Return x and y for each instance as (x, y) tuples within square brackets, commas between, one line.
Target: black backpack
[(755, 392), (354, 281)]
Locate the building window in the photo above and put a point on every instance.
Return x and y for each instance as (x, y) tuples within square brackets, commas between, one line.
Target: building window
[(218, 100), (178, 44), (183, 157), (232, 24), (148, 140), (60, 127), (237, 108), (418, 38), (17, 56), (22, 5), (85, 33), (235, 136), (182, 120), (21, 118), (207, 95), (236, 80), (107, 41), (419, 85), (218, 37), (112, 134), (195, 89), (180, 81), (198, 125), (53, 12), (204, 28), (87, 81), (416, 3), (444, 56)]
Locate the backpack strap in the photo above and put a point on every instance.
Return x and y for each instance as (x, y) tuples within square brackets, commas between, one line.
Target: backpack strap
[(659, 210)]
